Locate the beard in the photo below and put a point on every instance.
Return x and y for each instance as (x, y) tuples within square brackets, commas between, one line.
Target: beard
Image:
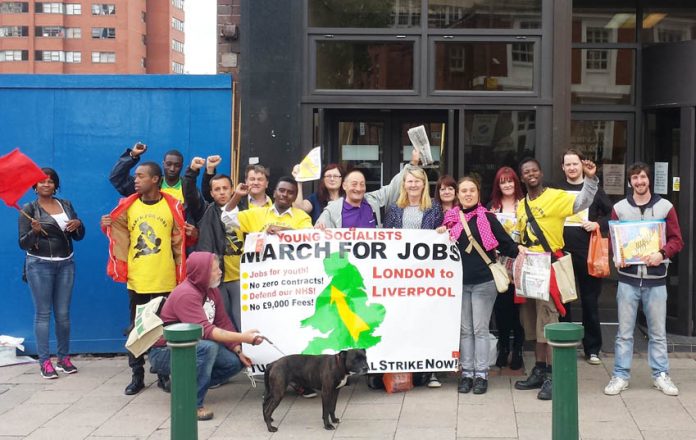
[(215, 284)]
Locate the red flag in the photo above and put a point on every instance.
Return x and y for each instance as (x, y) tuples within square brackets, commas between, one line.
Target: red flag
[(18, 173)]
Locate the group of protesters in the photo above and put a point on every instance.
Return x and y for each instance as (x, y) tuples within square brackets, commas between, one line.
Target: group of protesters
[(168, 238)]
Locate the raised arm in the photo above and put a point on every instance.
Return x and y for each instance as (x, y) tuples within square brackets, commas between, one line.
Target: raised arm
[(120, 176)]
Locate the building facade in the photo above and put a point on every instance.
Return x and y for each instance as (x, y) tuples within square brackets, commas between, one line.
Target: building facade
[(79, 37), (493, 81), (228, 21)]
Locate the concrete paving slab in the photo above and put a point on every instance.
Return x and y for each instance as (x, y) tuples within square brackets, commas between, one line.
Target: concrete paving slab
[(76, 433), (134, 420), (425, 434), (24, 419)]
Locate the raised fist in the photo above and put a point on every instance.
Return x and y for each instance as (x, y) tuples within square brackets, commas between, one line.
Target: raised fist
[(138, 149), (197, 163)]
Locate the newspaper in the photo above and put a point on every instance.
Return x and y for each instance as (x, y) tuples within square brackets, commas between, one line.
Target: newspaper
[(532, 274), (419, 139)]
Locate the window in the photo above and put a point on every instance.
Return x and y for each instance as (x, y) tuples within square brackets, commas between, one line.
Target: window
[(144, 39), (143, 16), (73, 9), (49, 8), (73, 57), (14, 31), (143, 62), (103, 9), (14, 7), (177, 46), (482, 14), (498, 66), (179, 4), (522, 53), (103, 33), (597, 59), (103, 57), (50, 31), (73, 33), (364, 65), (14, 55), (177, 67), (49, 56), (602, 76), (364, 13), (177, 24)]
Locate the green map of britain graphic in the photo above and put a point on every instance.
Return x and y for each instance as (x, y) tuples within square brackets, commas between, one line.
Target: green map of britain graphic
[(342, 313)]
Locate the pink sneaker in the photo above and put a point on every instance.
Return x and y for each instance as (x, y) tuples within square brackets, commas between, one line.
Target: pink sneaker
[(47, 370), (65, 366)]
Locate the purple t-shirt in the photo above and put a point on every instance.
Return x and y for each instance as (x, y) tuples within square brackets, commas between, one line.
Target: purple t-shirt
[(357, 217)]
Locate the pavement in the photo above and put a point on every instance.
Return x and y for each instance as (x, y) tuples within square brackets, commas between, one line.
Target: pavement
[(91, 405)]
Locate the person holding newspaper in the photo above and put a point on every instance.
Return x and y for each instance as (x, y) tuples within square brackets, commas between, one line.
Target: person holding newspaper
[(540, 219)]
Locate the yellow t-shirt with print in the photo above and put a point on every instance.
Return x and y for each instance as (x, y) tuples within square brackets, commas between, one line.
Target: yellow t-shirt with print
[(259, 219), (174, 191), (151, 266), (550, 210), (234, 246)]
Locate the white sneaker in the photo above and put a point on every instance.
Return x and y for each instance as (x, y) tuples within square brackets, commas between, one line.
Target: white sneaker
[(433, 382), (664, 384), (615, 386), (593, 359)]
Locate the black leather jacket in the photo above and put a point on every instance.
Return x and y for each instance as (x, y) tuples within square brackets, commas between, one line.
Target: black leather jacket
[(57, 243)]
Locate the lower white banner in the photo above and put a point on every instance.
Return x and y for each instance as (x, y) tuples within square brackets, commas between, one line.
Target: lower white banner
[(394, 292)]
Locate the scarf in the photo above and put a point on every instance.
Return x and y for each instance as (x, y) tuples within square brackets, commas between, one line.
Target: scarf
[(453, 222)]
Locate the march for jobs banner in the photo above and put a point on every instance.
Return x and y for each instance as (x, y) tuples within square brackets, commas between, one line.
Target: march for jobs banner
[(395, 293)]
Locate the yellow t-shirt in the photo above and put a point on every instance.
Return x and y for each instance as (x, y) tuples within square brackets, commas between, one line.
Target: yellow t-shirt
[(174, 191), (550, 210), (259, 219), (151, 266), (234, 246)]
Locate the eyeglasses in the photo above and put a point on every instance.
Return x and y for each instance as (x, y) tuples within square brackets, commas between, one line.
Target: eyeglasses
[(332, 176)]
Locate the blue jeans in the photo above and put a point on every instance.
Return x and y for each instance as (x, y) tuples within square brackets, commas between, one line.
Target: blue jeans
[(654, 301), (215, 364), (474, 340), (51, 284)]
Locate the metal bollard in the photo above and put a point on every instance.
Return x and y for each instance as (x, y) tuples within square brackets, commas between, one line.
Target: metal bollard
[(564, 337), (182, 340)]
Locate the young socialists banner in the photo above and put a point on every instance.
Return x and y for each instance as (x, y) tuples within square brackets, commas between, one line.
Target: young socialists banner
[(394, 292)]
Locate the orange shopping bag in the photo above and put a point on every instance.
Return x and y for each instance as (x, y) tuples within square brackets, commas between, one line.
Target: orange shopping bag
[(598, 255), (398, 382)]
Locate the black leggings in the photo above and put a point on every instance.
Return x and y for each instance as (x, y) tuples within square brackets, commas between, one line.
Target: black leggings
[(507, 320)]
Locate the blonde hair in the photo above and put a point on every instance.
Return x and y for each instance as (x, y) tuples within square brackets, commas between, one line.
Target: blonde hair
[(425, 202)]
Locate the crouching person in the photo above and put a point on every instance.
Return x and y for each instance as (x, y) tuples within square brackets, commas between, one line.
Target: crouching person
[(197, 301)]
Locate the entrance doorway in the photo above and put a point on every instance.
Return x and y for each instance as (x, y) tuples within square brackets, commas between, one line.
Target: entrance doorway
[(377, 143)]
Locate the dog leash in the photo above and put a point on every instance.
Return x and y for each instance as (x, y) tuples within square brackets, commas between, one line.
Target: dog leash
[(249, 372)]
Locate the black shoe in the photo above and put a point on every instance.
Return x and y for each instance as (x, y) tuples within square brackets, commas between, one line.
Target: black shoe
[(465, 384), (480, 385), (545, 391), (136, 385), (502, 359), (534, 381), (516, 362), (164, 383)]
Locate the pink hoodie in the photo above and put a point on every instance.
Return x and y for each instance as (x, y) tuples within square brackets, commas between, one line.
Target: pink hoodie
[(185, 303)]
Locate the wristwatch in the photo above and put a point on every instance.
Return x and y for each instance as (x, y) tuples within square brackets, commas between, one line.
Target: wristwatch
[(664, 254)]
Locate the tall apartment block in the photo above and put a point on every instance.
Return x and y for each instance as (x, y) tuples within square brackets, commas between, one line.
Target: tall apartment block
[(79, 37)]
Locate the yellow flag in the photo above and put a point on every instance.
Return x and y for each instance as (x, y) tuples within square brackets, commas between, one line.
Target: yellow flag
[(353, 322)]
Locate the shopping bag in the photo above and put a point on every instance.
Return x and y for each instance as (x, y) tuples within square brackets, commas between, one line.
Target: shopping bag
[(565, 278), (598, 255), (398, 382), (147, 327)]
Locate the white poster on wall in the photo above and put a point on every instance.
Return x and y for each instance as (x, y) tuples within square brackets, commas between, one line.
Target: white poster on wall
[(613, 178), (661, 176)]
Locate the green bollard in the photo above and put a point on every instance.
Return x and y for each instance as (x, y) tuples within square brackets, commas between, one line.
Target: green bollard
[(182, 340), (564, 337)]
